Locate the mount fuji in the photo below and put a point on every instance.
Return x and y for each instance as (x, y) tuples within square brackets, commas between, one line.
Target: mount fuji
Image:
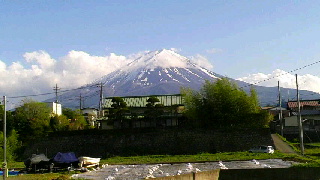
[(154, 73)]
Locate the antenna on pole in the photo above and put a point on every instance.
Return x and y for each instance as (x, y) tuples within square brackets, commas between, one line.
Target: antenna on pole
[(56, 89), (299, 120)]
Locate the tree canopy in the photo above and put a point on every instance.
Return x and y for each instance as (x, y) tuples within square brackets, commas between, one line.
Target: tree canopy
[(32, 118), (154, 109), (118, 111), (223, 104)]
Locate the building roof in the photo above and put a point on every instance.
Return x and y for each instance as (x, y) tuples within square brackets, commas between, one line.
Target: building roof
[(312, 103)]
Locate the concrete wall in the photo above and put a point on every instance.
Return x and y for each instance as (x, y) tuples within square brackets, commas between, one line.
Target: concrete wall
[(206, 175), (271, 174), (104, 143), (251, 174)]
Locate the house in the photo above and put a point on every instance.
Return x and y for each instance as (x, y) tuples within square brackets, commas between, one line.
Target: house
[(91, 115), (310, 116), (275, 111), (169, 113)]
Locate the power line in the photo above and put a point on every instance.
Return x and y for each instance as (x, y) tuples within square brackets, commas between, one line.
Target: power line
[(258, 82), (95, 85), (43, 94)]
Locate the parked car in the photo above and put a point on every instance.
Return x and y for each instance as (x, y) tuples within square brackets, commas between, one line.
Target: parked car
[(262, 149)]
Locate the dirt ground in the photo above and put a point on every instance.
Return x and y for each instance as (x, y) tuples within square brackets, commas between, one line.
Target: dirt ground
[(135, 172), (281, 145)]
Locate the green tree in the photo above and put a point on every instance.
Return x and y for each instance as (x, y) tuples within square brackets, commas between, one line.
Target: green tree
[(32, 118), (59, 123), (76, 119), (9, 119), (118, 111), (154, 110), (69, 113), (13, 145), (223, 104)]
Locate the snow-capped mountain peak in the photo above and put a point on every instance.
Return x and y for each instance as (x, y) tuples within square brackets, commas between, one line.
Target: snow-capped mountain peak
[(160, 59), (153, 73)]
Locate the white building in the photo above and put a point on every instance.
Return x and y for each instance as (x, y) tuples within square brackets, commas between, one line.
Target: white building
[(56, 108)]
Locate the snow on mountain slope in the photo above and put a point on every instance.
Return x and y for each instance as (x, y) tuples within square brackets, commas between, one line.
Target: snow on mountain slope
[(153, 73), (153, 69)]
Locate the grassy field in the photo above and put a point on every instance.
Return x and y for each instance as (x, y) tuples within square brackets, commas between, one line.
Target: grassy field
[(203, 157), (311, 159)]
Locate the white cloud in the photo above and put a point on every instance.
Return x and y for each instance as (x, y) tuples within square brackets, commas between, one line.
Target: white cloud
[(40, 57), (76, 68), (177, 50), (73, 70), (287, 80), (202, 61)]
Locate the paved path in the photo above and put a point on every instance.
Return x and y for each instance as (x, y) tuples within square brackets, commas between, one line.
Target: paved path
[(281, 145)]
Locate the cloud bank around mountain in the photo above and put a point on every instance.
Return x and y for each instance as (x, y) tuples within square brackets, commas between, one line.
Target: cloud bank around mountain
[(286, 80), (40, 72)]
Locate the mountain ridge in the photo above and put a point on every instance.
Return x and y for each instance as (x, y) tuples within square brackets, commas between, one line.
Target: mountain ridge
[(157, 73)]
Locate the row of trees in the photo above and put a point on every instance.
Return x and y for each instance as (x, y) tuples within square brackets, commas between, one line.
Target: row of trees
[(34, 119), (219, 104), (222, 104)]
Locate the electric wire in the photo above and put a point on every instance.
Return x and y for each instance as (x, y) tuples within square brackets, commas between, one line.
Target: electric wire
[(43, 94), (268, 79), (82, 87)]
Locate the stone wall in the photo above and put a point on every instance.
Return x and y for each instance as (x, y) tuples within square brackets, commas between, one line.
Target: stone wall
[(105, 143)]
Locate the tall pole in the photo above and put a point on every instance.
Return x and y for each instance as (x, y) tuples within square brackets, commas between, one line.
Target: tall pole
[(280, 110), (4, 165), (100, 102), (80, 102), (56, 92), (299, 120)]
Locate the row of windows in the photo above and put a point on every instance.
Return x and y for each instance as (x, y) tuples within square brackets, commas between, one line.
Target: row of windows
[(141, 101)]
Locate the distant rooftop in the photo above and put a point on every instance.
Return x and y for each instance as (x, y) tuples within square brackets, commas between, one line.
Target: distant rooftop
[(312, 103)]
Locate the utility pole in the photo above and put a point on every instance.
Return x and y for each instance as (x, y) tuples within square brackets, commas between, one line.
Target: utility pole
[(299, 120), (100, 101), (4, 165), (56, 89), (280, 110), (80, 102)]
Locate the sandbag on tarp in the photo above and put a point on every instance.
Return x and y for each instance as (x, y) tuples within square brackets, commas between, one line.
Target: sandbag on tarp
[(37, 161), (68, 157)]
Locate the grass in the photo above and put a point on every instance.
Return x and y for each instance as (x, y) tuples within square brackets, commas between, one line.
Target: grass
[(311, 159), (203, 157), (151, 159), (52, 176)]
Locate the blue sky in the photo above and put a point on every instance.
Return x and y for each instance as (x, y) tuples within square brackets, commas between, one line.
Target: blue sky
[(239, 38)]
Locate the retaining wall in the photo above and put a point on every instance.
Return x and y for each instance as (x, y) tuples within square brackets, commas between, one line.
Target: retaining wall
[(251, 174), (105, 143)]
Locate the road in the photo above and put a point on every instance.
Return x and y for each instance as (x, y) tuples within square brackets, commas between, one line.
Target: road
[(281, 145)]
